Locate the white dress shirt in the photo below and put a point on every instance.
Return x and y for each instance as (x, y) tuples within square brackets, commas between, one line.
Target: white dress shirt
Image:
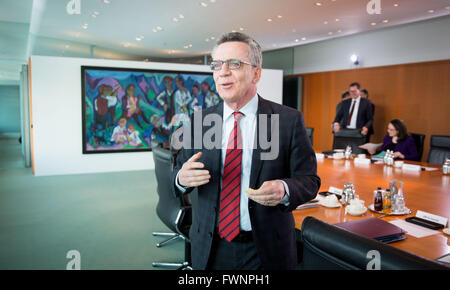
[(355, 113), (247, 125)]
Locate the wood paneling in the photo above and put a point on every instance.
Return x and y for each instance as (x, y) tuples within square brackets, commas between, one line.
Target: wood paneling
[(418, 94)]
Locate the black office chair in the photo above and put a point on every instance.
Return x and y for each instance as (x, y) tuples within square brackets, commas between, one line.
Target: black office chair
[(352, 137), (327, 247), (173, 210), (310, 132), (439, 149), (419, 139)]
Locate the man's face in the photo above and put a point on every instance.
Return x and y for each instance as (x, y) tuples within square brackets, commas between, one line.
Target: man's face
[(234, 85), (168, 83), (205, 88), (354, 92)]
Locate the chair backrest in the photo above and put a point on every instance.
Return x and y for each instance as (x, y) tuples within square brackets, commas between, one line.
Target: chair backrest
[(170, 206), (310, 132), (328, 247), (352, 137), (439, 149), (419, 139)]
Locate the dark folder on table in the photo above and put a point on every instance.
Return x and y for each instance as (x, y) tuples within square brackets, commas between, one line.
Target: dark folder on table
[(374, 228)]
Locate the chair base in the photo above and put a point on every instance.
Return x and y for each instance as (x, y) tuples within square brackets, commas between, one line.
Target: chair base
[(172, 237), (177, 266)]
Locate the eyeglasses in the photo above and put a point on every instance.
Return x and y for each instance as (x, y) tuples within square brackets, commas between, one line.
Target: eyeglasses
[(231, 64)]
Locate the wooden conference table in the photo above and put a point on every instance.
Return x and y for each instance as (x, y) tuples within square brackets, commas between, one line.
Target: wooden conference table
[(425, 190)]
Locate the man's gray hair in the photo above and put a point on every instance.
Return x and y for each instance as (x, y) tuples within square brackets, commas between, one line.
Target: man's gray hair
[(254, 52)]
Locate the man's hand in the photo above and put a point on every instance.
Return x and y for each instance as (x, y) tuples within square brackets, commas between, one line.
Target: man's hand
[(269, 194), (336, 127), (190, 175), (364, 131)]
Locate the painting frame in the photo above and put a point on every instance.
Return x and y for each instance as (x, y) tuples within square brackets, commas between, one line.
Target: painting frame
[(99, 118)]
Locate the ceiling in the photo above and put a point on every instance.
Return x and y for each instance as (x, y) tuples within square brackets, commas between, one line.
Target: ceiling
[(140, 29)]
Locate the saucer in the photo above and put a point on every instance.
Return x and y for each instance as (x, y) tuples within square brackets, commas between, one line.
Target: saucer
[(358, 213), (338, 204), (446, 231)]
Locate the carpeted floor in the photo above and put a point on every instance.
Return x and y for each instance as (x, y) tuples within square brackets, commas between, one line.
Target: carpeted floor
[(108, 218)]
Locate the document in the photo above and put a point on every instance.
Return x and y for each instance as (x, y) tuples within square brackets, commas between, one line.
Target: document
[(412, 229)]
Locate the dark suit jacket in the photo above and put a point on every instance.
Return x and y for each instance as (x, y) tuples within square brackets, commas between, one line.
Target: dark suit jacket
[(364, 118), (273, 228)]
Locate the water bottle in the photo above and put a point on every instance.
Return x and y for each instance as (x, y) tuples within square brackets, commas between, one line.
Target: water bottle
[(348, 152), (400, 199), (446, 166), (385, 158)]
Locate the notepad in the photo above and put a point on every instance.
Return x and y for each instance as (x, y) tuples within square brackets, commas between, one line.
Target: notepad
[(374, 228), (412, 229)]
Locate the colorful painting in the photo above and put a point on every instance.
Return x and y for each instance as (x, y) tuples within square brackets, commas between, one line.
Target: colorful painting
[(126, 109)]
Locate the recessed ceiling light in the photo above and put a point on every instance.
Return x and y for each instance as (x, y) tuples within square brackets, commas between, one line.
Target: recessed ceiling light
[(212, 1), (158, 28), (241, 28), (190, 45), (203, 4), (269, 19), (233, 30), (106, 1), (85, 26), (181, 16), (303, 38), (186, 46), (212, 37), (325, 22), (154, 30), (318, 4), (396, 5), (175, 19), (296, 40), (339, 30), (279, 16), (385, 21), (138, 38), (431, 11), (373, 23), (207, 39), (330, 33), (337, 19)]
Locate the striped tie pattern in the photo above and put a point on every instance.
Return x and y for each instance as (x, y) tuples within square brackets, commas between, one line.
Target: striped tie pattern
[(229, 220)]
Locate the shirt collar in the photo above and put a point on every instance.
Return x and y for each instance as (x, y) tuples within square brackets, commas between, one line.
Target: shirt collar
[(249, 109)]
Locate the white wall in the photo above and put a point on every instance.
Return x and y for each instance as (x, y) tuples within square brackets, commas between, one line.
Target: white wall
[(56, 109), (417, 42)]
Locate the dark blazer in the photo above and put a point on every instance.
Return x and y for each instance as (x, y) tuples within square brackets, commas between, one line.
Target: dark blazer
[(407, 147), (364, 118), (273, 228)]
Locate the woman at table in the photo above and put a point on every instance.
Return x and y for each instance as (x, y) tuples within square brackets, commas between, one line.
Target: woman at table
[(398, 140)]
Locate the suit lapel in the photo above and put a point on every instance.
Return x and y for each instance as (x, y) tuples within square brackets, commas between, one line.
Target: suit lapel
[(263, 108)]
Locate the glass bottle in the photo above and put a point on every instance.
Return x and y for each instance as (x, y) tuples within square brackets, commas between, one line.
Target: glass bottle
[(387, 203), (400, 198), (378, 202)]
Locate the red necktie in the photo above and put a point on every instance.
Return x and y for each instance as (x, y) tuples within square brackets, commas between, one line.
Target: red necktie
[(229, 221), (351, 113)]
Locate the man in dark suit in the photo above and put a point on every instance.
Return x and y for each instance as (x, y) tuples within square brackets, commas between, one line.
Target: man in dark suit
[(244, 213), (355, 113)]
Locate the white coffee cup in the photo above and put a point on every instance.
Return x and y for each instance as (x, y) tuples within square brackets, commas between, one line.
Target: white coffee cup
[(355, 206), (330, 200), (338, 155), (362, 156), (398, 164)]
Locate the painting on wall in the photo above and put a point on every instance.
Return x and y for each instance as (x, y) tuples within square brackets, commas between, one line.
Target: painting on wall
[(124, 110)]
